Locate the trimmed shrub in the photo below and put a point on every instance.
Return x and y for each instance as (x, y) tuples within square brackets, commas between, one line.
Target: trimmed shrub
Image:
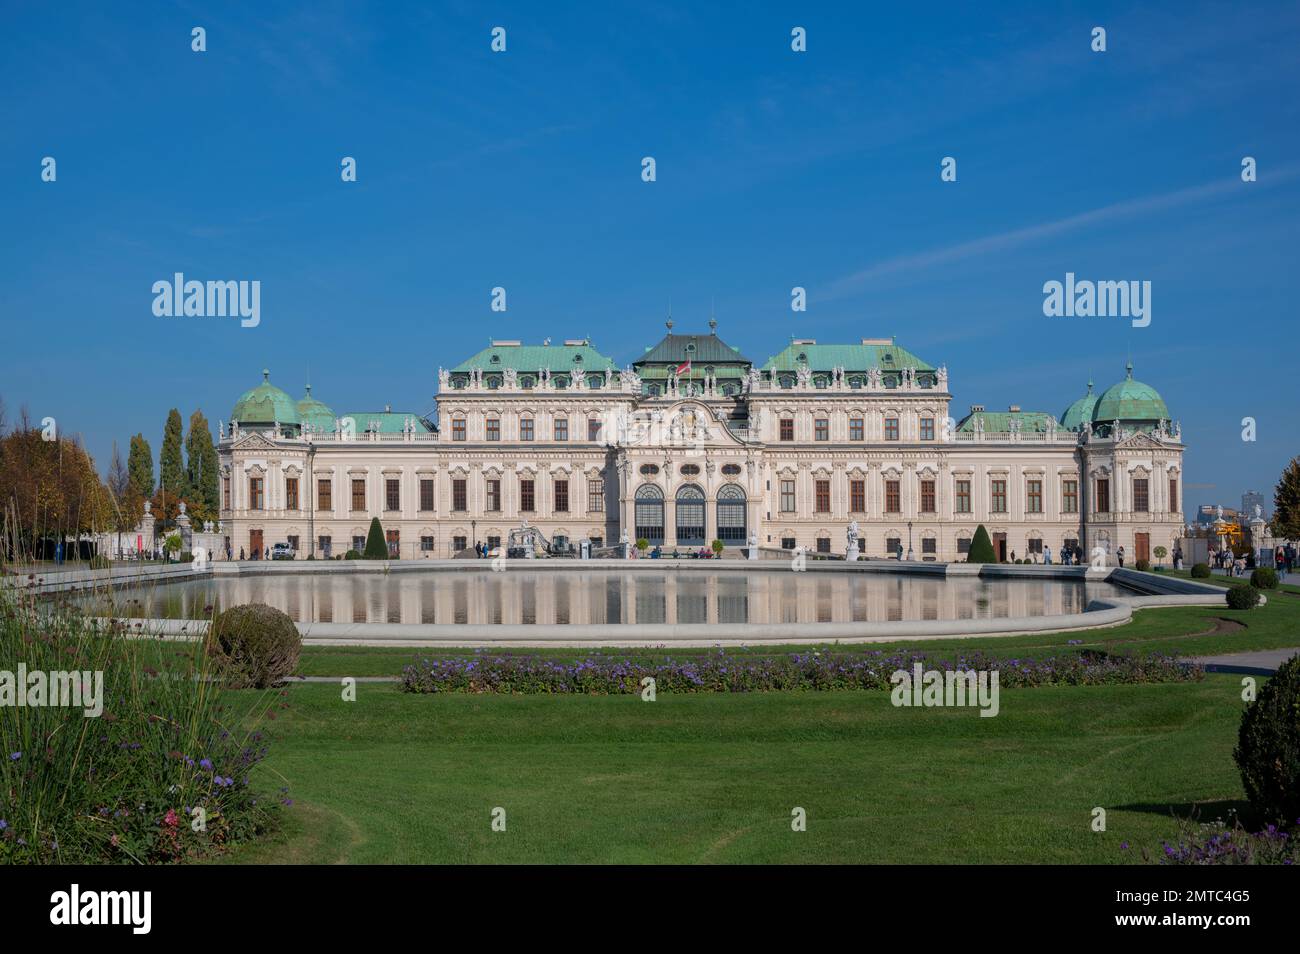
[(1243, 597), (1268, 746), (1264, 578), (981, 547), (1201, 570), (717, 546), (642, 544), (255, 646), (352, 555), (1143, 565), (376, 548)]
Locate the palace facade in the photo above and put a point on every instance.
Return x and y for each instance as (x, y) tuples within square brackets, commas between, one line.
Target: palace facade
[(695, 442)]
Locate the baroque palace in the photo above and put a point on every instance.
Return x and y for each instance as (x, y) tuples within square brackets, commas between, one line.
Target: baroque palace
[(694, 442)]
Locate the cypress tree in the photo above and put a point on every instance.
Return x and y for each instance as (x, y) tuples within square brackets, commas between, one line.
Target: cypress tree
[(201, 466), (376, 548), (171, 466), (1286, 503), (140, 466), (981, 548)]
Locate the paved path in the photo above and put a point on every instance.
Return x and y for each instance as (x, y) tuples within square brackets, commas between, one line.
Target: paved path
[(1262, 663)]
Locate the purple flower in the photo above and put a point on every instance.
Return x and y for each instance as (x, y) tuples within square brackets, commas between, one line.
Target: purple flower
[(15, 756)]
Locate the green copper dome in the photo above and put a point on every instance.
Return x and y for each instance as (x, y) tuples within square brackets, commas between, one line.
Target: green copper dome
[(265, 404), (313, 412), (1080, 412), (1130, 401)]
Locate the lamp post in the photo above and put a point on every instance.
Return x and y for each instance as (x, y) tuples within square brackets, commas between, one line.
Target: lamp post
[(909, 541), (473, 532)]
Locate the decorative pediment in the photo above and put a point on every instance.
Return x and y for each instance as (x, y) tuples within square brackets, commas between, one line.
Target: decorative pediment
[(253, 441), (891, 473), (1139, 440)]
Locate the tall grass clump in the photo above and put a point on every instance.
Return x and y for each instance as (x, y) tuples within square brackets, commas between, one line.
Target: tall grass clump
[(161, 774)]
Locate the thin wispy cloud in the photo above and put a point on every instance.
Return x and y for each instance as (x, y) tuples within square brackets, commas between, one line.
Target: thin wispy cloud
[(1002, 241)]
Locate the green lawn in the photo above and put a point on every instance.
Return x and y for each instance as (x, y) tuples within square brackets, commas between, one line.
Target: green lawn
[(396, 777)]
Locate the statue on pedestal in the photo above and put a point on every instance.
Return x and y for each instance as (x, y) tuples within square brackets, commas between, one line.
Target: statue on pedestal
[(851, 551)]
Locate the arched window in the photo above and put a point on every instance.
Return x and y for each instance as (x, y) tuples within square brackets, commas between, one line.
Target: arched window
[(731, 512), (690, 516), (649, 514)]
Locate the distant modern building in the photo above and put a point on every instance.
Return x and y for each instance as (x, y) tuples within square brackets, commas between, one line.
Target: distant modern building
[(694, 442), (1249, 501)]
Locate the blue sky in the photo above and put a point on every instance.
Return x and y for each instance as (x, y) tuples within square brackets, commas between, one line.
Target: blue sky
[(775, 169)]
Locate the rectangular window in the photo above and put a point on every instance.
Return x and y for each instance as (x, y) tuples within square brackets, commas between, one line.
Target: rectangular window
[(892, 545), (1141, 498), (856, 430), (822, 429), (493, 543), (787, 496), (893, 497), (1069, 496), (787, 428), (525, 428), (458, 496), (392, 538), (291, 493), (927, 496), (858, 496), (359, 494), (293, 540), (561, 428), (1103, 495), (493, 496), (494, 428), (426, 493), (325, 494), (526, 501), (787, 543), (359, 544), (962, 501), (225, 493), (927, 428), (891, 428), (823, 494), (325, 545), (1035, 545), (1173, 494), (998, 497), (255, 501), (426, 544), (593, 428), (595, 496), (459, 543), (458, 429), (823, 544), (392, 494), (1033, 496), (963, 546), (929, 545), (561, 496)]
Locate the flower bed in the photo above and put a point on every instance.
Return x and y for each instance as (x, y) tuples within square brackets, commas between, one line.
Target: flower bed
[(718, 671)]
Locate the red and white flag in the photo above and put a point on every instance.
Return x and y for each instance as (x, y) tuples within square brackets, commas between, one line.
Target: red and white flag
[(684, 367)]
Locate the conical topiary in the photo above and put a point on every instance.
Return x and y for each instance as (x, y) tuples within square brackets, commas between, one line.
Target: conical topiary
[(981, 548), (376, 548)]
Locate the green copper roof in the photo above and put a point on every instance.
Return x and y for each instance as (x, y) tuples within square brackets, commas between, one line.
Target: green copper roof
[(850, 357), (1130, 401), (701, 349), (265, 404), (313, 412), (999, 422), (1080, 411), (387, 422), (555, 358)]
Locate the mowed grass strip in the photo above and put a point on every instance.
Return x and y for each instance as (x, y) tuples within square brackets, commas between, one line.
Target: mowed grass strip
[(712, 778)]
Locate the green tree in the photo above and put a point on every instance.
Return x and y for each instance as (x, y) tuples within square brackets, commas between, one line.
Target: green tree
[(1286, 503), (139, 466), (981, 548), (171, 467), (376, 548), (201, 468)]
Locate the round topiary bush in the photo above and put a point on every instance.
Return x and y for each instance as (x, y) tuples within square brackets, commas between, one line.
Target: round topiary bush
[(1243, 597), (1268, 746), (1264, 578), (255, 646), (1201, 570), (352, 555), (1143, 565)]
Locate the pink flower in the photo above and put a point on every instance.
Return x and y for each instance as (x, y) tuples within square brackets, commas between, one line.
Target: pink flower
[(170, 819)]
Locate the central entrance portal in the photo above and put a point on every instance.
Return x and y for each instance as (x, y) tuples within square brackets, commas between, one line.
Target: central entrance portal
[(690, 516)]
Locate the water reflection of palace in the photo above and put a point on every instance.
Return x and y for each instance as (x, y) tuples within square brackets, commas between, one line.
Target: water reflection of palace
[(523, 597)]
